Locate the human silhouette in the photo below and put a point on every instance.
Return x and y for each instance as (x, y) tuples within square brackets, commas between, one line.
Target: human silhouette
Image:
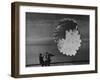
[(48, 59), (41, 59), (45, 59)]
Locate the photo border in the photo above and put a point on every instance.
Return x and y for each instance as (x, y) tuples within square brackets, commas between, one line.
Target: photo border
[(15, 66)]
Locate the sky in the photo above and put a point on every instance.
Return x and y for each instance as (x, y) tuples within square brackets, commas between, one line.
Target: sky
[(40, 27), (39, 36)]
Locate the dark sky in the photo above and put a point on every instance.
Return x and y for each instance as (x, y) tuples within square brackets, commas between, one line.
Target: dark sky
[(40, 27), (39, 36)]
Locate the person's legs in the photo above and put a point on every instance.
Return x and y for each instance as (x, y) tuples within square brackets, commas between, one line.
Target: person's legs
[(48, 63), (42, 64)]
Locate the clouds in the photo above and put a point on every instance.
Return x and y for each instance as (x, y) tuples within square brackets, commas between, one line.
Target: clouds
[(40, 27), (39, 36)]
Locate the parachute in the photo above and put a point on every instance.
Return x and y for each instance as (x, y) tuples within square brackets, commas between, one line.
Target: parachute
[(67, 37)]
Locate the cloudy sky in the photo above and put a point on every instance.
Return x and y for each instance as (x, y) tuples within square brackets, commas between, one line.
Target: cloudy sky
[(39, 36), (40, 28)]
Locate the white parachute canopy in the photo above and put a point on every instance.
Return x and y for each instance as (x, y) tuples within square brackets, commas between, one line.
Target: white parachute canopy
[(67, 37), (70, 45)]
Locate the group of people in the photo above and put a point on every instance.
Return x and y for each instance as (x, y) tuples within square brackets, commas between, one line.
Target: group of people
[(45, 59)]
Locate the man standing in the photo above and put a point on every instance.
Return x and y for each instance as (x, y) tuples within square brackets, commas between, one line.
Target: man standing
[(41, 59), (48, 58)]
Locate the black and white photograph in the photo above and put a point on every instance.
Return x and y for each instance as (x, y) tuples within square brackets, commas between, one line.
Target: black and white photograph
[(51, 39), (57, 39)]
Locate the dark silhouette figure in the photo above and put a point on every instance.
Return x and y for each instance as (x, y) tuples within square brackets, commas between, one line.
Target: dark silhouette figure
[(45, 59), (41, 59), (48, 59)]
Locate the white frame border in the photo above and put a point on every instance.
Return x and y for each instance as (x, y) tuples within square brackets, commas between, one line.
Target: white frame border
[(53, 69)]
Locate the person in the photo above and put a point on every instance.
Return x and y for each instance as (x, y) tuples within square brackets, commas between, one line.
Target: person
[(41, 59), (48, 59), (45, 59)]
